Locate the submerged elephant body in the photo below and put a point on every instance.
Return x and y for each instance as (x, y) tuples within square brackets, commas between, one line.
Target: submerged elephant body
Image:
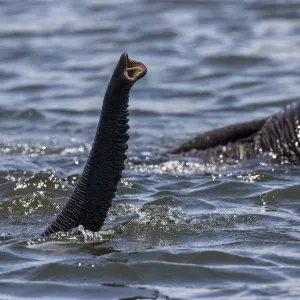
[(277, 135)]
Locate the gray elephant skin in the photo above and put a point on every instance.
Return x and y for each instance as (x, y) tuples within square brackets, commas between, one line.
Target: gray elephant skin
[(89, 204), (276, 137), (92, 197)]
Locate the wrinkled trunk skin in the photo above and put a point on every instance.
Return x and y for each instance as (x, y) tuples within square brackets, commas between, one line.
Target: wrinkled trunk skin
[(93, 195)]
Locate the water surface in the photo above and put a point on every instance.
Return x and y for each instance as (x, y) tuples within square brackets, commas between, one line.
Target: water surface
[(177, 229)]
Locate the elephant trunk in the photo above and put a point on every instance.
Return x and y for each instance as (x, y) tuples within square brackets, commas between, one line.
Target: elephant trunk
[(93, 195)]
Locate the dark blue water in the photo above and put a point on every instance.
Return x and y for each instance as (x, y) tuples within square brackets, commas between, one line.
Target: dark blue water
[(177, 230)]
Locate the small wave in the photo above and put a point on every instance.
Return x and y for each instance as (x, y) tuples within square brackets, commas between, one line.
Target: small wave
[(65, 124), (28, 205), (79, 234), (166, 219), (159, 35), (82, 289), (29, 88), (275, 10), (141, 112), (44, 181), (23, 148), (179, 167), (29, 114), (210, 76), (71, 112), (4, 74), (110, 28), (236, 61), (244, 85)]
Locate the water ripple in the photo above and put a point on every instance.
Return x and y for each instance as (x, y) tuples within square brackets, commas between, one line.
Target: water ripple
[(178, 228)]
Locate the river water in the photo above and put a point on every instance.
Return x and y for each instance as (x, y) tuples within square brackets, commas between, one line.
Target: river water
[(177, 229)]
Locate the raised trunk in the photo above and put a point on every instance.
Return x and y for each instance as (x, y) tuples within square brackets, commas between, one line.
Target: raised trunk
[(92, 197)]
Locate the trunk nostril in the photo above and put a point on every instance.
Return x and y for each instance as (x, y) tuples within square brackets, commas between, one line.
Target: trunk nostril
[(134, 73)]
